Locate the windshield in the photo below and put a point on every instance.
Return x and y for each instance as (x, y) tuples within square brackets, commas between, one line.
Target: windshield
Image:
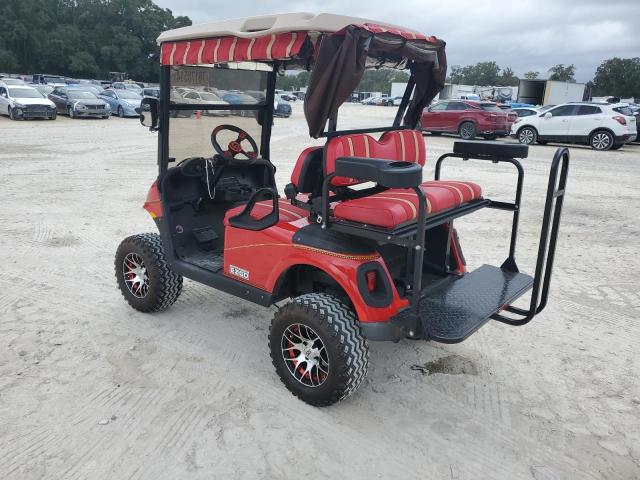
[(490, 107), (24, 93), (79, 94), (128, 94), (191, 126)]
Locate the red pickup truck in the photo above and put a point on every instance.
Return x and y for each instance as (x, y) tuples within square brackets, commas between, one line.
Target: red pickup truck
[(467, 118)]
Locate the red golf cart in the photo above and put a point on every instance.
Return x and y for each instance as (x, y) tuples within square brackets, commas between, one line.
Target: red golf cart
[(360, 247)]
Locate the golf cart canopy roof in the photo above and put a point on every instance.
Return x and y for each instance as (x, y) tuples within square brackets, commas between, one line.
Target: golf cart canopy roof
[(337, 49)]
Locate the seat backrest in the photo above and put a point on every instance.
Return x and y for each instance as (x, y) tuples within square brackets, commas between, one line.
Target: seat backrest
[(400, 145), (307, 173)]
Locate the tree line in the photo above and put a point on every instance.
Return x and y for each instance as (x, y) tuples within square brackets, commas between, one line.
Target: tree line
[(615, 76), (83, 38)]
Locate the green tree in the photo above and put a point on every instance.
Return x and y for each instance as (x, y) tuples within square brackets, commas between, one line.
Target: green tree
[(563, 74), (507, 78), (531, 75), (619, 77), (83, 37)]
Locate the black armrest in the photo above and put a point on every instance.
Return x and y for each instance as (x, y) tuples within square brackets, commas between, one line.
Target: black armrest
[(390, 174), (246, 221)]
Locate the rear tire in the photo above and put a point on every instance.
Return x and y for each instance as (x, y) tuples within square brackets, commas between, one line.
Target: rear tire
[(601, 140), (317, 349), (467, 130), (527, 135), (145, 279)]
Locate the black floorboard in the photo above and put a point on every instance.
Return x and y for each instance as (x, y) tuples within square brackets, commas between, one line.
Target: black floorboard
[(453, 311)]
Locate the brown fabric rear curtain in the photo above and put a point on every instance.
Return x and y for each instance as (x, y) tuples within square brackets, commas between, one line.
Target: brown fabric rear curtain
[(341, 62)]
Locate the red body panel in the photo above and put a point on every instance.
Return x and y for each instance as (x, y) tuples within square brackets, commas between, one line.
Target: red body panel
[(266, 255), (153, 204)]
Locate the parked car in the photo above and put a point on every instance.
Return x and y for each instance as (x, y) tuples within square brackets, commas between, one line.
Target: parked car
[(151, 92), (289, 96), (637, 115), (379, 100), (281, 107), (123, 102), (97, 91), (44, 89), (602, 125), (53, 80), (79, 103), (526, 112), (201, 97), (466, 118), (24, 102), (127, 86), (12, 81)]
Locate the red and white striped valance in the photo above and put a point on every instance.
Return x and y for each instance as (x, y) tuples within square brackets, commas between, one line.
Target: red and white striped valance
[(277, 46)]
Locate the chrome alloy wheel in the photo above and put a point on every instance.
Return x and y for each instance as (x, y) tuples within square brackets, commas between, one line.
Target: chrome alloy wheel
[(601, 141), (135, 275), (526, 136), (305, 355)]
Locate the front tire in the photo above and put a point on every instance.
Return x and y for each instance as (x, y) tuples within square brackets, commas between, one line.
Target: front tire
[(467, 130), (527, 135), (120, 112), (12, 115), (145, 279), (70, 112), (317, 349)]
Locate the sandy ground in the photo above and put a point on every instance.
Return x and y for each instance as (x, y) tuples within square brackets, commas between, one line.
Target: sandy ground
[(90, 389)]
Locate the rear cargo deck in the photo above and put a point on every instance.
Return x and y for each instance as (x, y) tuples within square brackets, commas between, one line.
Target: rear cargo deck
[(453, 310)]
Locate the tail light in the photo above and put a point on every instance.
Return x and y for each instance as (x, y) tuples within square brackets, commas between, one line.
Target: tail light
[(620, 120), (372, 280)]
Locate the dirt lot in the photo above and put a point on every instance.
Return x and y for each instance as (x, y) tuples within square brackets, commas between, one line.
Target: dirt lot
[(90, 389)]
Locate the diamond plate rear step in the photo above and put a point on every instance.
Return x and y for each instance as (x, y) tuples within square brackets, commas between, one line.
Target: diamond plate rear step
[(452, 311)]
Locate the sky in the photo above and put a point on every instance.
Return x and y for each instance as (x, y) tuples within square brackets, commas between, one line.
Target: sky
[(522, 34)]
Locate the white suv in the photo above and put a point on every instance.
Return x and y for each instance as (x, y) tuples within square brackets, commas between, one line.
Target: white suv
[(604, 126), (23, 102)]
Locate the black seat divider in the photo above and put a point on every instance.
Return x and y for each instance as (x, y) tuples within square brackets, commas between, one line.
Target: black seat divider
[(390, 174)]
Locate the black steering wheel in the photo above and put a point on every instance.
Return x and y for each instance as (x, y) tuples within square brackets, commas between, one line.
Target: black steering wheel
[(235, 146)]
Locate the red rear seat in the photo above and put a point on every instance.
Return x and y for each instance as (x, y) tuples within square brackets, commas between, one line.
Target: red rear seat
[(390, 208)]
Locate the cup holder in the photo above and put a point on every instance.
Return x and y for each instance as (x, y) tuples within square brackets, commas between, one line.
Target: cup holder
[(401, 164)]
